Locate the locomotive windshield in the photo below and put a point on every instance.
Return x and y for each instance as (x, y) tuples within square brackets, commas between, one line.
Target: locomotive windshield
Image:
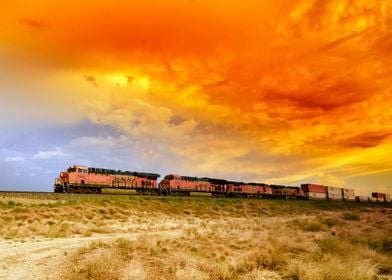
[(71, 169), (169, 177)]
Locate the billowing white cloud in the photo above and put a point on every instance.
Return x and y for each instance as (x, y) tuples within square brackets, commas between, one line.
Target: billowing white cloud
[(57, 152), (89, 141), (14, 159)]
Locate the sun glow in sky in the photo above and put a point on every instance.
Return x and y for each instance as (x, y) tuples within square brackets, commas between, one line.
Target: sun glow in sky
[(283, 91)]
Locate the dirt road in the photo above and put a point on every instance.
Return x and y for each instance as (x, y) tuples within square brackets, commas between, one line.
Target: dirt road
[(41, 258)]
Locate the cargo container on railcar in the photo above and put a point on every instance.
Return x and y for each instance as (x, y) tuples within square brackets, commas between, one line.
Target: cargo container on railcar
[(334, 193), (348, 194), (362, 198), (314, 191), (380, 197)]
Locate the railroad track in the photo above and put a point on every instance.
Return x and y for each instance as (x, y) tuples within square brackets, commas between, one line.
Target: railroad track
[(108, 192), (60, 194), (33, 192)]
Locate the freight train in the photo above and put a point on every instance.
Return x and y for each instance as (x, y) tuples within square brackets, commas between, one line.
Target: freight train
[(83, 179)]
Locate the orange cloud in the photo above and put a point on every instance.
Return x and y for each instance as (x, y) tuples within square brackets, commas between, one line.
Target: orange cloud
[(279, 90)]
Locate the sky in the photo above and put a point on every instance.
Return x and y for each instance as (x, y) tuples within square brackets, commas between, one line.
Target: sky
[(283, 91)]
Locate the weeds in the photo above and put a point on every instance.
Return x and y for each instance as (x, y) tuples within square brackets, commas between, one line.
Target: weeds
[(205, 238), (351, 216)]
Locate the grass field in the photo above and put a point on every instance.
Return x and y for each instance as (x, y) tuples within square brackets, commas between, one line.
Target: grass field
[(134, 237)]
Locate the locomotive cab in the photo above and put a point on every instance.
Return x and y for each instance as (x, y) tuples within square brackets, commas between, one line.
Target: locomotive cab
[(78, 174), (74, 174), (170, 181)]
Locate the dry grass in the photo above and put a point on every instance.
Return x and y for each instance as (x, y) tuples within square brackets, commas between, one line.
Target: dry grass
[(179, 238), (248, 248)]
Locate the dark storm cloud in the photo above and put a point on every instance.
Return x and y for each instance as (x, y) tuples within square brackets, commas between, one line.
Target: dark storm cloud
[(91, 79), (33, 23)]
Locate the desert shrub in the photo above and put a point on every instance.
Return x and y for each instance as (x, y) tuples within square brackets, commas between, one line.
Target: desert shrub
[(11, 204), (351, 216), (125, 244), (331, 268), (93, 267), (98, 244), (330, 222), (257, 274), (384, 244), (337, 246), (98, 260), (272, 259), (379, 241), (188, 272), (384, 267), (313, 226), (223, 272)]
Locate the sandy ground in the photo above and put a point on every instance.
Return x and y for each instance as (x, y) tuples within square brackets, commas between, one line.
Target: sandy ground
[(40, 258)]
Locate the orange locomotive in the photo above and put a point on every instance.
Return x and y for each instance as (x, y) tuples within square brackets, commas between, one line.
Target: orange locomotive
[(287, 192), (183, 185), (83, 179)]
